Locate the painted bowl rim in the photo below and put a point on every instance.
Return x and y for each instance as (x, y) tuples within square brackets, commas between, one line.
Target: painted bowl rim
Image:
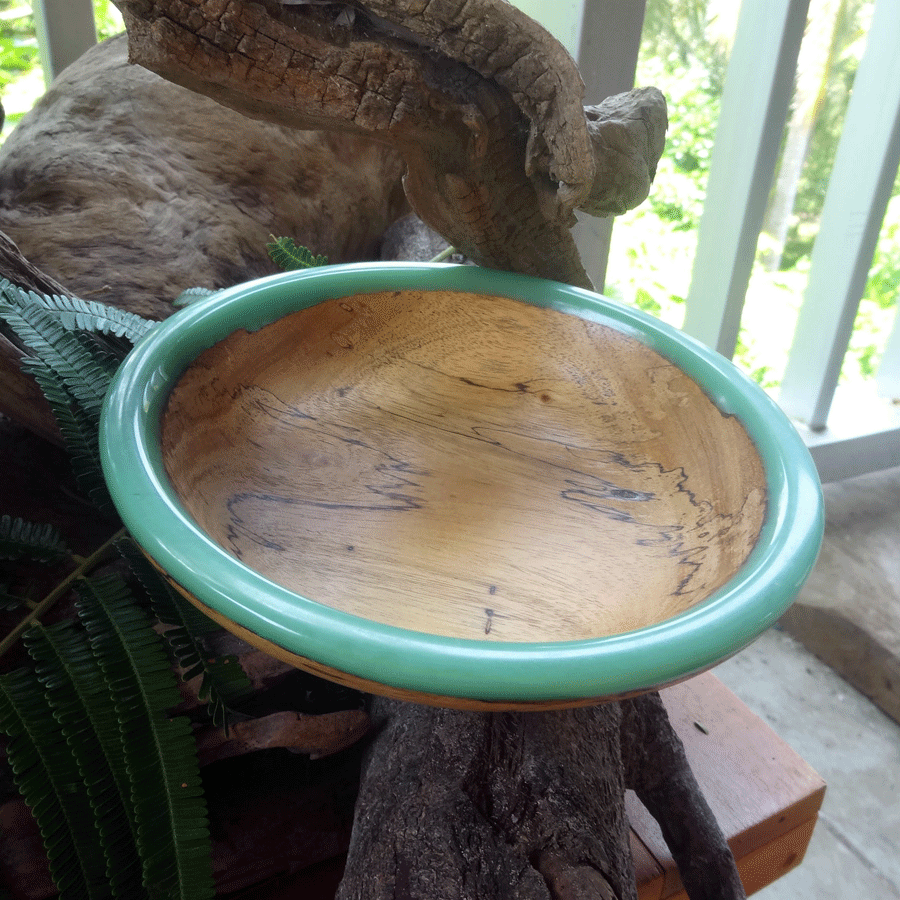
[(405, 660)]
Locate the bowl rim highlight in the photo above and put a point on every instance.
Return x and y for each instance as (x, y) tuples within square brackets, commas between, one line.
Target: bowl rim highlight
[(417, 662)]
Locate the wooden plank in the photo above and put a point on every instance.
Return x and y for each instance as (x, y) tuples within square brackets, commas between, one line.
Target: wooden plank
[(764, 796), (854, 209)]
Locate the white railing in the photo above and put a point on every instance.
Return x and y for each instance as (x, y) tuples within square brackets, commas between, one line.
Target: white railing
[(848, 433)]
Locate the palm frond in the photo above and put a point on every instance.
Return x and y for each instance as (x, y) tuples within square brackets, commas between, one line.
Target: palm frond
[(159, 752), (288, 255), (39, 542), (224, 682), (79, 695), (47, 775)]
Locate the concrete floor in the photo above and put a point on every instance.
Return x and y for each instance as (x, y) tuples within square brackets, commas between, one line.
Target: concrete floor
[(855, 849)]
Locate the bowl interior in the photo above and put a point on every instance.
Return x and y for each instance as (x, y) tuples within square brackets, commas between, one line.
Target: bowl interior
[(465, 465)]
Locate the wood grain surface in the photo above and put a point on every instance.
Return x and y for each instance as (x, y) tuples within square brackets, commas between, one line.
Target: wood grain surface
[(465, 465)]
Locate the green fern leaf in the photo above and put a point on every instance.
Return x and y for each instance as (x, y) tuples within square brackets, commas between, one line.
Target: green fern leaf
[(8, 601), (224, 682), (75, 314), (60, 350), (158, 752), (78, 693), (47, 776), (287, 255), (27, 540), (80, 432)]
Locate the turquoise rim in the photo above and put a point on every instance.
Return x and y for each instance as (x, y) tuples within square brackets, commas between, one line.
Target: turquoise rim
[(412, 661)]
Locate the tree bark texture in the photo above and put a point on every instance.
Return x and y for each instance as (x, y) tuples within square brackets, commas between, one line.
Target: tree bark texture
[(498, 152)]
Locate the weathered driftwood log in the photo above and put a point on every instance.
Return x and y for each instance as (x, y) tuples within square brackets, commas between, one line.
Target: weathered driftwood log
[(457, 805), (122, 187), (483, 105), (128, 189), (461, 805)]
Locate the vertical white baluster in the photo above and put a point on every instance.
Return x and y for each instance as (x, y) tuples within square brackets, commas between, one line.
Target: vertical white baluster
[(861, 181), (65, 29), (758, 87)]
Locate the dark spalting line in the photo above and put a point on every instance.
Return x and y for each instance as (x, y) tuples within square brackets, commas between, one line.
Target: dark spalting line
[(520, 387), (276, 408), (591, 497)]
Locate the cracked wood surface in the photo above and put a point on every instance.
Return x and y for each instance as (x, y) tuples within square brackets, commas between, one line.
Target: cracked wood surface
[(409, 457), (497, 155)]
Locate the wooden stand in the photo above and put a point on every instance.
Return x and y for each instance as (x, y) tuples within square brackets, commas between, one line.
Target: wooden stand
[(765, 797)]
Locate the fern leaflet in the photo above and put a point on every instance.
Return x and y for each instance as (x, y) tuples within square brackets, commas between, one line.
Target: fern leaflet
[(79, 696), (27, 540), (288, 255), (79, 430), (224, 683), (159, 752), (47, 775), (59, 350), (88, 315), (191, 295)]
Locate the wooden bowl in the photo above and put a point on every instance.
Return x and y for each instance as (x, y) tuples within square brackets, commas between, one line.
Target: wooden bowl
[(460, 486)]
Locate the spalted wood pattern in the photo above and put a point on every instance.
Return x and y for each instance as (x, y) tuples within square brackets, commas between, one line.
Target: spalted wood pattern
[(466, 466)]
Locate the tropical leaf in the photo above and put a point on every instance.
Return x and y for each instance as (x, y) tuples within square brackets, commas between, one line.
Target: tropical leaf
[(47, 775), (224, 682), (75, 314), (158, 752), (80, 697), (80, 432), (287, 255), (59, 350), (29, 540)]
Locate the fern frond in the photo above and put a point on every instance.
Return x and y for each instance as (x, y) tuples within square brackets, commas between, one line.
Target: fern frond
[(224, 682), (60, 351), (8, 601), (47, 776), (288, 255), (80, 432), (88, 315), (191, 295), (29, 540), (78, 693), (158, 752)]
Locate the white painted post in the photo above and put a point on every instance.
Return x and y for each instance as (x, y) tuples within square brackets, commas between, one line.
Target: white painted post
[(604, 38), (861, 181), (888, 379), (758, 87), (65, 29), (607, 59)]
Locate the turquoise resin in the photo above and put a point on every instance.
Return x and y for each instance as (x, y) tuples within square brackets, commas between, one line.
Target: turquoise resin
[(490, 671)]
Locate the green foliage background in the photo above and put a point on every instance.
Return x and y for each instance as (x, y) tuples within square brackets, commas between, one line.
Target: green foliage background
[(685, 53)]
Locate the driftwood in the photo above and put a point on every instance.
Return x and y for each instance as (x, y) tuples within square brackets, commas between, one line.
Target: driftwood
[(498, 154), (122, 187), (482, 104)]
